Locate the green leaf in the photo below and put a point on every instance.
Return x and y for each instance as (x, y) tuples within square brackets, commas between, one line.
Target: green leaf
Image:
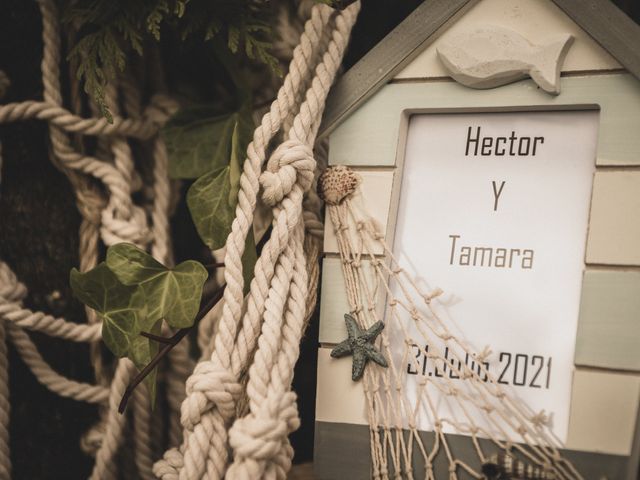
[(172, 294), (121, 307), (212, 199), (212, 206), (198, 141)]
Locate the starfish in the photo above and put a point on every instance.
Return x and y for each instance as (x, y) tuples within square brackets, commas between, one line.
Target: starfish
[(360, 345)]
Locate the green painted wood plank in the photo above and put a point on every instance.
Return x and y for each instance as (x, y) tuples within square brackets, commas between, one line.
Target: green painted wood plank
[(371, 135), (333, 440), (609, 323)]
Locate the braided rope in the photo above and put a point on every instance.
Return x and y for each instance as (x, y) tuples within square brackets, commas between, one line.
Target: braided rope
[(276, 305)]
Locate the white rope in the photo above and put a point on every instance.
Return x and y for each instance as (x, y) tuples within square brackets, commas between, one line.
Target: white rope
[(276, 305), (257, 339)]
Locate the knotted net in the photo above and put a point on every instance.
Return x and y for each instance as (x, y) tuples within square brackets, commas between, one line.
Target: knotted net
[(521, 443)]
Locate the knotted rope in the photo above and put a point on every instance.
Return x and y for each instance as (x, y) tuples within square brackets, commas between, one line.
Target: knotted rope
[(268, 325), (252, 356)]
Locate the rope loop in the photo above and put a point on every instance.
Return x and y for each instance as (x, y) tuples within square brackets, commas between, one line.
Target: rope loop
[(160, 109), (262, 437), (290, 164), (133, 230), (209, 386), (11, 289)]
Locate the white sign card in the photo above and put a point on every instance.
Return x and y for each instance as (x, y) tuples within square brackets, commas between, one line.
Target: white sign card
[(494, 211)]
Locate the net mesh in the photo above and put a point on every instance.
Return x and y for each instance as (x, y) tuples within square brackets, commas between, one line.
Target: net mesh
[(458, 395)]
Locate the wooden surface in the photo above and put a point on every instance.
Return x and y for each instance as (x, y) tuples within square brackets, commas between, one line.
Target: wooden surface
[(334, 304), (604, 406), (535, 20), (304, 471), (614, 226), (609, 323), (383, 61), (610, 27), (371, 135), (342, 452)]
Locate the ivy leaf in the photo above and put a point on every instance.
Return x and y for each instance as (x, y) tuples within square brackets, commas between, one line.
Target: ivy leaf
[(172, 294), (197, 141), (212, 208), (212, 199), (121, 307)]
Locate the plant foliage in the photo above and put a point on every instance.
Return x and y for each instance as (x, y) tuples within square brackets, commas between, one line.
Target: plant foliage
[(110, 30), (212, 149), (132, 293)]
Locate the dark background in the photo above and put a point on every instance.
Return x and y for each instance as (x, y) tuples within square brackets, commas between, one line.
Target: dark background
[(38, 239)]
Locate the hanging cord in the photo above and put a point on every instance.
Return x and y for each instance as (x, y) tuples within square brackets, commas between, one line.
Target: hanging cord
[(213, 389)]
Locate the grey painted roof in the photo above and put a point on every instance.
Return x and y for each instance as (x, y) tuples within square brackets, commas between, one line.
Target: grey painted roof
[(608, 25)]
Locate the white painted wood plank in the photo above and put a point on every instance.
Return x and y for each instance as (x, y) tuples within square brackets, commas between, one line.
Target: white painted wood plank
[(535, 20), (334, 303), (370, 136), (604, 407), (374, 191), (338, 398), (614, 226)]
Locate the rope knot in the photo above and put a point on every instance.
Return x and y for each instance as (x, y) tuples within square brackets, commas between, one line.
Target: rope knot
[(209, 386), (290, 164), (133, 230), (160, 109), (10, 288), (261, 435)]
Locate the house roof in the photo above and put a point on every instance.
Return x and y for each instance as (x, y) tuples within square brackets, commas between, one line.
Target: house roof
[(609, 26)]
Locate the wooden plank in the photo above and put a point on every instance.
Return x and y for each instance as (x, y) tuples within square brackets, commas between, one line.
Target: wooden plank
[(370, 136), (604, 408), (536, 21), (382, 62), (332, 440), (334, 381), (333, 301), (614, 226), (604, 405), (374, 192), (609, 323), (610, 27)]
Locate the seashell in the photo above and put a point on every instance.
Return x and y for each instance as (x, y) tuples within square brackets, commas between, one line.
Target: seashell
[(492, 56), (503, 466), (337, 183)]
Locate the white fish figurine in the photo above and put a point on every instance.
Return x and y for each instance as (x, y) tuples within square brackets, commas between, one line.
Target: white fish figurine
[(492, 56)]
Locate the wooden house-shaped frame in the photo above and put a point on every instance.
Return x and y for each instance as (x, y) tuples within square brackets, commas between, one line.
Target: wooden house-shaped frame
[(366, 120)]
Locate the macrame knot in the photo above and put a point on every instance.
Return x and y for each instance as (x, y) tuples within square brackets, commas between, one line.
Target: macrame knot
[(210, 385), (10, 288), (261, 435), (169, 467), (160, 109), (290, 164), (132, 230), (91, 440), (541, 419)]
